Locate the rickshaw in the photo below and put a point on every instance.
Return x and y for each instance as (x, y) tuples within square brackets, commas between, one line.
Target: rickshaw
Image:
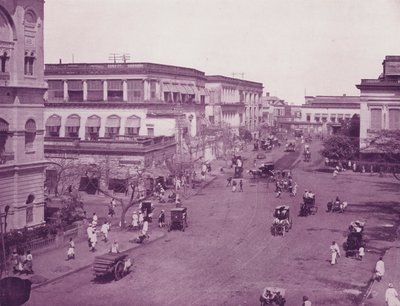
[(336, 206), (115, 264), (282, 222), (273, 296), (308, 207), (290, 146), (178, 219)]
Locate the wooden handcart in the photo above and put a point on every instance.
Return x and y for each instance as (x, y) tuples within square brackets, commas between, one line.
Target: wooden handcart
[(111, 264)]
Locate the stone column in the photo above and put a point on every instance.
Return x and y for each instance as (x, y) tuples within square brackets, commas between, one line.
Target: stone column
[(85, 90), (65, 84), (124, 90), (105, 90), (146, 90), (158, 91)]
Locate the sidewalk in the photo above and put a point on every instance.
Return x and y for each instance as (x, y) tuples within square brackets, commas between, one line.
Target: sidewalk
[(52, 265), (392, 275)]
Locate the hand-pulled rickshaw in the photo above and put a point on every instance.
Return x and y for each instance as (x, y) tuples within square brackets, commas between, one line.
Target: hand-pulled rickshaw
[(273, 296), (336, 206), (354, 239), (308, 207), (282, 222), (178, 219), (115, 264)]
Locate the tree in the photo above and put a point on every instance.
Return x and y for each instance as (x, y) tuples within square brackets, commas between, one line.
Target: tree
[(351, 127), (340, 147), (384, 147)]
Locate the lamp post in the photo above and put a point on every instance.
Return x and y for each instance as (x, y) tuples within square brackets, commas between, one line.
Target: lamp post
[(3, 215)]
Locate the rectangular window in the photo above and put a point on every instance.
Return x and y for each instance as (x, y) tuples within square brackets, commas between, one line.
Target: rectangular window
[(394, 119), (308, 117), (376, 119), (29, 214), (131, 131), (28, 67), (150, 131), (95, 90), (115, 91), (135, 90)]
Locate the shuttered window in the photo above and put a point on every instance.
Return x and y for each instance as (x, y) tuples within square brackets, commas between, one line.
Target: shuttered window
[(376, 119), (394, 119)]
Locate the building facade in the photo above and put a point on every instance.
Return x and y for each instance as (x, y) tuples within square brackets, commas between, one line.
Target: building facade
[(325, 114), (234, 102), (22, 88), (380, 102), (123, 100)]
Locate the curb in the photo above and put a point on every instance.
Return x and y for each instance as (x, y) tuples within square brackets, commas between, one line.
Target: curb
[(36, 286)]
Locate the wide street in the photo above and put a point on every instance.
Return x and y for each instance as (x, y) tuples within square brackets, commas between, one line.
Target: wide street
[(228, 255)]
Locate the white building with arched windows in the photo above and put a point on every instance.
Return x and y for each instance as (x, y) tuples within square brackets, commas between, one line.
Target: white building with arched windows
[(22, 88)]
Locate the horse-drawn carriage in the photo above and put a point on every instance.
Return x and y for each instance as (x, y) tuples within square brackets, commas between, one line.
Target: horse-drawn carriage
[(336, 206), (308, 207), (265, 170), (272, 296), (282, 222), (115, 264), (178, 219), (354, 239)]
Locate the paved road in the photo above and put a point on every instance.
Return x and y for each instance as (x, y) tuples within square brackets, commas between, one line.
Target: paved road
[(227, 255)]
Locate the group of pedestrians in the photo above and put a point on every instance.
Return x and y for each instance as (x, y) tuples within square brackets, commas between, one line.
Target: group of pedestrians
[(22, 262), (233, 183)]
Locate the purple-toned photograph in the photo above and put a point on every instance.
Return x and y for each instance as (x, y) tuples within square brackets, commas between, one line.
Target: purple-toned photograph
[(199, 153)]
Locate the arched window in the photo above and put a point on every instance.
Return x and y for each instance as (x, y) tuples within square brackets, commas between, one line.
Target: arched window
[(53, 125), (3, 62), (3, 140), (92, 127), (72, 126), (113, 124), (30, 134), (132, 126)]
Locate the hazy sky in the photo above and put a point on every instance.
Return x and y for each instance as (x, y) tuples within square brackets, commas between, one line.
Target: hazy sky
[(321, 46)]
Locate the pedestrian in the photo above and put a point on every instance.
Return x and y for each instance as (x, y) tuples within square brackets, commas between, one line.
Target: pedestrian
[(114, 247), (354, 167), (94, 220), (71, 249), (241, 186), (234, 186), (379, 269), (141, 219), (229, 181), (15, 261), (335, 173), (255, 163), (391, 296), (335, 252), (89, 232), (28, 264), (161, 218), (306, 301), (93, 241), (361, 253), (294, 191), (135, 220), (104, 230)]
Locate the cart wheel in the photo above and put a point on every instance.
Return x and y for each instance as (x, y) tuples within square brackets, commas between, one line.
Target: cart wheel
[(119, 270)]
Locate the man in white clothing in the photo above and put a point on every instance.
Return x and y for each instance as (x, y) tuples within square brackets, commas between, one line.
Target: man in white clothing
[(335, 252), (379, 269)]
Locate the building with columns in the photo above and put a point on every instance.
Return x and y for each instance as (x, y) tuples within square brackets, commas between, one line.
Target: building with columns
[(380, 102), (234, 102), (325, 114), (123, 100), (22, 88)]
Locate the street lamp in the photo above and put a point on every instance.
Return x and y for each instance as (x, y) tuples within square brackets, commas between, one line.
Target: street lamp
[(3, 215)]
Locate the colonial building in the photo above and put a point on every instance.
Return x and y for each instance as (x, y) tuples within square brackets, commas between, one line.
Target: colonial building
[(325, 114), (123, 100), (234, 102), (380, 102), (21, 112), (272, 108)]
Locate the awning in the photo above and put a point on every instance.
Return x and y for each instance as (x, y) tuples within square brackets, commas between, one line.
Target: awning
[(93, 121), (73, 120), (113, 122), (201, 91), (189, 89), (340, 116), (30, 126), (114, 85), (317, 115), (181, 89), (347, 116), (133, 122), (75, 85), (166, 87), (3, 126), (324, 115), (333, 115), (174, 88), (53, 121)]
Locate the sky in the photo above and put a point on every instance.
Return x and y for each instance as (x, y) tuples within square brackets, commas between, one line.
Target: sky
[(293, 47)]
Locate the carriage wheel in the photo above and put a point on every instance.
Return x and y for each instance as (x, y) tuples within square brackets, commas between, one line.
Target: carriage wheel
[(119, 270)]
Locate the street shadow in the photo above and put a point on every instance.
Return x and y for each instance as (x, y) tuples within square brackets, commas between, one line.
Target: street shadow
[(388, 187)]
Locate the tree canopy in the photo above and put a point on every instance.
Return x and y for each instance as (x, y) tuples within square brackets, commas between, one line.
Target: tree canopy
[(340, 147)]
